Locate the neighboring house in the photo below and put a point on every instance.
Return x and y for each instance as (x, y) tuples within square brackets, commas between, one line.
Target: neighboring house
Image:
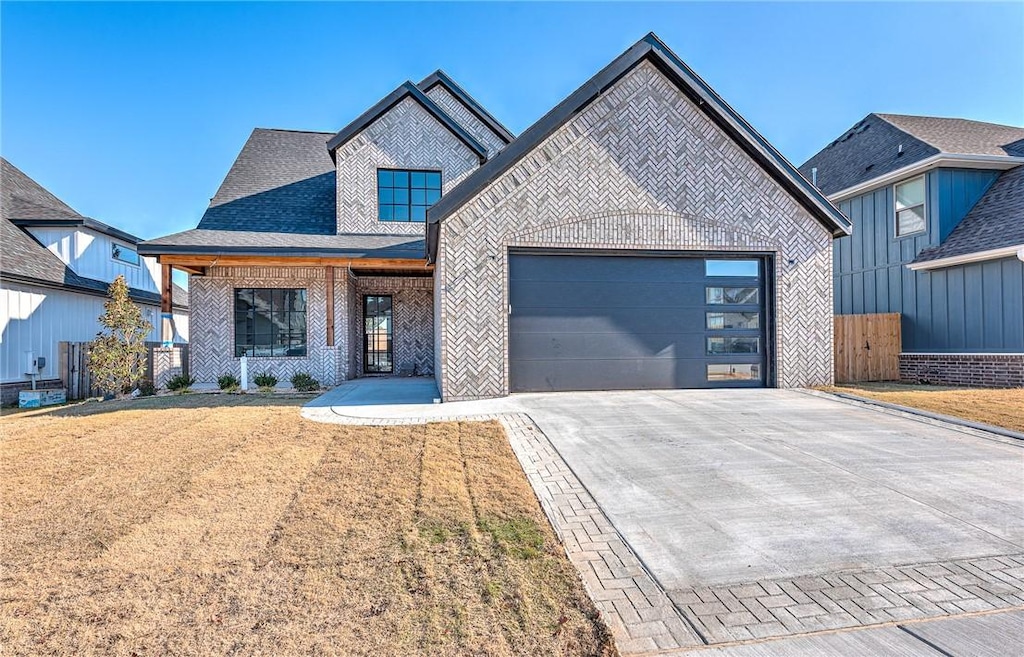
[(937, 207), (639, 235), (55, 268)]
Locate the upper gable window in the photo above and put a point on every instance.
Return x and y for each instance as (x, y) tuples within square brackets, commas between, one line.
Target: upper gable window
[(404, 195), (124, 253), (910, 207)]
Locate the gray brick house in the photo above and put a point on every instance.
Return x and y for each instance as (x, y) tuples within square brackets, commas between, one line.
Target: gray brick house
[(639, 235)]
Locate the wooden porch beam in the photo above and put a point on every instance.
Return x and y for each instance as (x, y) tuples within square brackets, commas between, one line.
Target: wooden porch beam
[(199, 261), (329, 275)]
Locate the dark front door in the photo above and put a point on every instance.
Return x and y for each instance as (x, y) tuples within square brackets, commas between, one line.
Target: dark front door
[(378, 357), (589, 321)]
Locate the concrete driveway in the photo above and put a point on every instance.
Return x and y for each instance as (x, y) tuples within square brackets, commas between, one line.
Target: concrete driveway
[(731, 486), (763, 514)]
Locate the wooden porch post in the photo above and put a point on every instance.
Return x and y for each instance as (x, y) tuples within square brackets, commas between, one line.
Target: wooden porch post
[(166, 305), (329, 275)]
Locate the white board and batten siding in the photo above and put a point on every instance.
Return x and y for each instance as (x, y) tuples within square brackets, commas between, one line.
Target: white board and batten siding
[(38, 319), (89, 254)]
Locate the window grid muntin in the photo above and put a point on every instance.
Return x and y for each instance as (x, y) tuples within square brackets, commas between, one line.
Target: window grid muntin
[(404, 195), (270, 322)]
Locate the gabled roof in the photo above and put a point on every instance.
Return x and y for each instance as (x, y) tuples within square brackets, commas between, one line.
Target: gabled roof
[(995, 222), (24, 259), (283, 181), (439, 77), (405, 90), (650, 48), (27, 203), (880, 144), (22, 197)]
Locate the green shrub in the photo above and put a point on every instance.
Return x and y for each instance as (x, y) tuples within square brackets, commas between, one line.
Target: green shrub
[(146, 388), (117, 357), (265, 380), (180, 383), (304, 382), (228, 382)]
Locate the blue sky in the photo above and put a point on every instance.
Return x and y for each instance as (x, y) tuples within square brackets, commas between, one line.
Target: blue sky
[(133, 113)]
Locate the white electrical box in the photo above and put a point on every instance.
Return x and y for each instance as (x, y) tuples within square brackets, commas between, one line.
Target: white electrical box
[(30, 363)]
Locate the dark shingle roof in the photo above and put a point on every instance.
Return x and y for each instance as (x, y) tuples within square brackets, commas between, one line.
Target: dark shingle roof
[(24, 259), (23, 198), (996, 221), (871, 148), (282, 181), (228, 242), (22, 256), (961, 135)]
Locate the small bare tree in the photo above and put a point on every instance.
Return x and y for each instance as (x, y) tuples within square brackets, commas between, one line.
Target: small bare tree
[(117, 357)]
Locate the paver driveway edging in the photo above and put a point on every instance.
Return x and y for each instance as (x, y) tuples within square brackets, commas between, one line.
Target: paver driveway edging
[(645, 618), (641, 617)]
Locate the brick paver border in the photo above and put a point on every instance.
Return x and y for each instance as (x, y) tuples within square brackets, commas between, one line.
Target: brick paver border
[(855, 598), (644, 618)]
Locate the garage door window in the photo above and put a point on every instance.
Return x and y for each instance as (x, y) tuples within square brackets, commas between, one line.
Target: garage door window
[(738, 321), (733, 372), (731, 268), (732, 295), (731, 345)]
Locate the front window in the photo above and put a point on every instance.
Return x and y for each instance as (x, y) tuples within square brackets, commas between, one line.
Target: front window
[(270, 322), (910, 210), (404, 195), (124, 254)]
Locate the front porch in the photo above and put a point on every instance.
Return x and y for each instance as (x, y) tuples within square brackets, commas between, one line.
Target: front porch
[(333, 323)]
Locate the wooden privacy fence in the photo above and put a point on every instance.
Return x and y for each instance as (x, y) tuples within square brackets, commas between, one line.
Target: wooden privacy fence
[(78, 380), (867, 347)]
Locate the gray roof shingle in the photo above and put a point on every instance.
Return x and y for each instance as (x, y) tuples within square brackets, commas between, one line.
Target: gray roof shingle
[(24, 259), (996, 221), (240, 242), (282, 181), (23, 198), (871, 148)]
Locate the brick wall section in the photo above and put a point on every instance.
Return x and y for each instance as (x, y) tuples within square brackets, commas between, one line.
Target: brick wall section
[(412, 302), (640, 168), (9, 391), (406, 137), (213, 333), (454, 108), (982, 370)]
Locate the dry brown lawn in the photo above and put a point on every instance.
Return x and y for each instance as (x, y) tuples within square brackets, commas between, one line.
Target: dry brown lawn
[(1003, 408), (225, 525)]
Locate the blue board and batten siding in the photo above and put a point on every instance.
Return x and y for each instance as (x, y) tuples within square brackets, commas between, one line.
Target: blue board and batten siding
[(977, 307)]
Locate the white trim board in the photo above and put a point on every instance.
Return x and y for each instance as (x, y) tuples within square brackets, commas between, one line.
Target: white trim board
[(950, 160), (967, 258)]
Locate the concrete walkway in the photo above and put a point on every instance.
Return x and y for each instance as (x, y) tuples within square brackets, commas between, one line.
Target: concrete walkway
[(721, 518)]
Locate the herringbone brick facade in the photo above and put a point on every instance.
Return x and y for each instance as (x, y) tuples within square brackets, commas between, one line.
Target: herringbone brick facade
[(406, 137), (641, 167), (454, 108), (412, 301), (212, 346)]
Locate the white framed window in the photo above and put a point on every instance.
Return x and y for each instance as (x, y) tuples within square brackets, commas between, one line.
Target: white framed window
[(123, 253), (910, 206)]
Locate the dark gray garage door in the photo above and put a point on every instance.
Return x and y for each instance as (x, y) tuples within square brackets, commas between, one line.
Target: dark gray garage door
[(620, 322)]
